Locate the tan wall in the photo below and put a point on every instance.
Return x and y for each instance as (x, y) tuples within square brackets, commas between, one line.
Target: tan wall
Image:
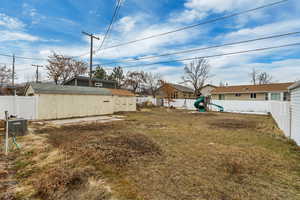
[(124, 103), (55, 106), (206, 91), (243, 97)]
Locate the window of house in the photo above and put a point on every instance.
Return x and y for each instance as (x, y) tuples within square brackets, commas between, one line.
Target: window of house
[(221, 96), (266, 96), (98, 84), (238, 94), (286, 96), (253, 95), (275, 96)]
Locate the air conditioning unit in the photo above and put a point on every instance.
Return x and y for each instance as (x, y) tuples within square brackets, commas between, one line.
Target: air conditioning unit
[(17, 127)]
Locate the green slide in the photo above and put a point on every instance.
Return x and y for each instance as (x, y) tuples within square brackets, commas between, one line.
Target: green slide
[(221, 108), (197, 103)]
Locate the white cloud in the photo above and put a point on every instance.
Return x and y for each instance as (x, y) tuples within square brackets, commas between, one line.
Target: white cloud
[(10, 22), (15, 36), (187, 16), (219, 6), (126, 24)]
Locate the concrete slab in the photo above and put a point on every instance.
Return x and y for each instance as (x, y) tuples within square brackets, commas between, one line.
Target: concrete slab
[(98, 119)]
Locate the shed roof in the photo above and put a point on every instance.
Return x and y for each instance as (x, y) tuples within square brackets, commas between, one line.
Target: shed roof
[(120, 92), (274, 87), (85, 78), (182, 88), (295, 85), (41, 88)]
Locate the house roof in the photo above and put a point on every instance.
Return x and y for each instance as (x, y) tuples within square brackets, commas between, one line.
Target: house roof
[(181, 88), (85, 78), (274, 87), (207, 85), (41, 88), (295, 85), (120, 92)]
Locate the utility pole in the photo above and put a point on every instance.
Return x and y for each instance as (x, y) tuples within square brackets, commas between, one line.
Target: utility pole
[(37, 72), (13, 74), (91, 55)]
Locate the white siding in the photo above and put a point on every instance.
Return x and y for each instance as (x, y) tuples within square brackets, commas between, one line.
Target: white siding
[(295, 107)]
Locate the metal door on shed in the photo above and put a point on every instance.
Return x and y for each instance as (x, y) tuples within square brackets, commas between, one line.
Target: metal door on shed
[(295, 105)]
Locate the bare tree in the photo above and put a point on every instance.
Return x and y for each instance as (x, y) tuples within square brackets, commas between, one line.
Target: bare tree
[(253, 75), (196, 73), (153, 82), (5, 75), (78, 67), (264, 78), (61, 68), (135, 79), (260, 77)]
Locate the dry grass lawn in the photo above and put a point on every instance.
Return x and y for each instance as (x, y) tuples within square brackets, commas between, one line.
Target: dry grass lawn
[(160, 154)]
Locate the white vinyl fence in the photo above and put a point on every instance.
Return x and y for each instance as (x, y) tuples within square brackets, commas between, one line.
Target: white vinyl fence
[(141, 100), (24, 107), (281, 114), (254, 107)]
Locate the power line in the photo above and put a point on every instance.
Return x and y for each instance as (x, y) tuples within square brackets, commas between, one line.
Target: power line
[(21, 57), (37, 72), (216, 55), (203, 48), (169, 32), (199, 24), (117, 8)]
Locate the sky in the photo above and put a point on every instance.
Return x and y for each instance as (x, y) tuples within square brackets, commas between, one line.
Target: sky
[(37, 28)]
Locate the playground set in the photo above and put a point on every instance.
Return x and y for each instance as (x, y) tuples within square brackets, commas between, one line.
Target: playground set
[(203, 102)]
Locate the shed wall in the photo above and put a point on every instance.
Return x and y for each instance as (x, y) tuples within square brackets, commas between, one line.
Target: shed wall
[(55, 106)]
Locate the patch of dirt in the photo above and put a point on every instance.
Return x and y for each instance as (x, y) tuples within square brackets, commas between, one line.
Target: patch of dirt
[(233, 124), (122, 149), (67, 183)]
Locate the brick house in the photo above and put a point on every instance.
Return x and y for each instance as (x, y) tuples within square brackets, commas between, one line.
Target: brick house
[(264, 92), (176, 91)]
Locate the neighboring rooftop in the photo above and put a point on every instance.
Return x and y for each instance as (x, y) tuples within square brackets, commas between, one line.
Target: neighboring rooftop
[(85, 78), (181, 88), (273, 87)]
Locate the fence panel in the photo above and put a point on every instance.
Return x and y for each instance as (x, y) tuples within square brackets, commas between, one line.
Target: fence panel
[(24, 107), (281, 114), (140, 100), (255, 107)]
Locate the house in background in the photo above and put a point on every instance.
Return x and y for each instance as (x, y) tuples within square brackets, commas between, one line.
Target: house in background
[(265, 92), (207, 89), (84, 82), (176, 91)]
